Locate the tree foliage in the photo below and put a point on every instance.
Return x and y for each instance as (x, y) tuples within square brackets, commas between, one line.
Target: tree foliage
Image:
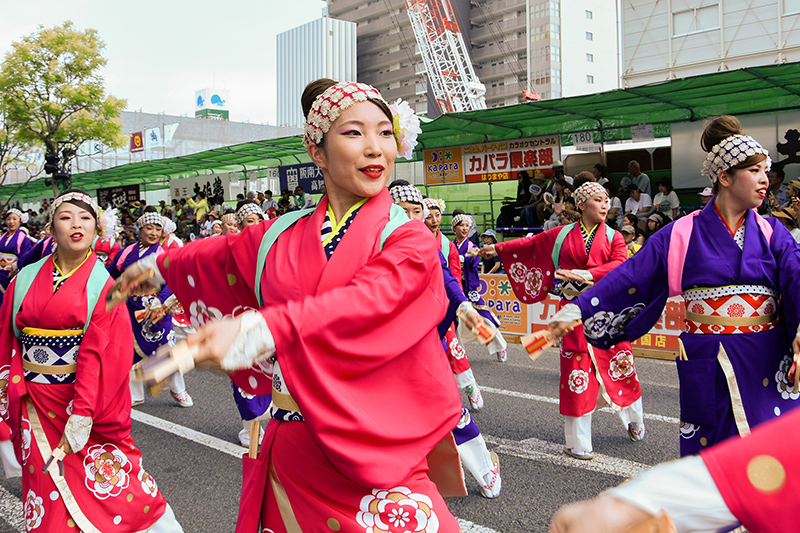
[(51, 91)]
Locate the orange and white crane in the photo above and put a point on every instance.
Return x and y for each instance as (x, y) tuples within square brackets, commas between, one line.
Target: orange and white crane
[(456, 87)]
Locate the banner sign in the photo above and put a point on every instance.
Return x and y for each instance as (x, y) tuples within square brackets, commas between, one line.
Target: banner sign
[(118, 196), (137, 142), (306, 175), (211, 185), (495, 161), (517, 318)]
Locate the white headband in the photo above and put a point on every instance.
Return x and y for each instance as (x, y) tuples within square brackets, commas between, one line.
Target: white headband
[(434, 203), (587, 191), (247, 210), (458, 219), (150, 218), (730, 152), (85, 198), (406, 193)]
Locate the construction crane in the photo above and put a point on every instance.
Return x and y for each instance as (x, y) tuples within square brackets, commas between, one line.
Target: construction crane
[(456, 87)]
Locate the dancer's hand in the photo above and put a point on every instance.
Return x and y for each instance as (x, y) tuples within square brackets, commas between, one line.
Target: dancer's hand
[(487, 252), (213, 340), (570, 275), (559, 329), (472, 319), (604, 514), (64, 444)]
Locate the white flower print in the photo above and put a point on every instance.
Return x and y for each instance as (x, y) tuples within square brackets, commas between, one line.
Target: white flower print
[(200, 313), (107, 470), (621, 365), (34, 511), (397, 510), (785, 387), (578, 381)]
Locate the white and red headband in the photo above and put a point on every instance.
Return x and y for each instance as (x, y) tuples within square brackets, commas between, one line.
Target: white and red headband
[(587, 191), (85, 198)]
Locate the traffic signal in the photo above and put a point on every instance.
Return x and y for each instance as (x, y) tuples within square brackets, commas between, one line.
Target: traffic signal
[(51, 163)]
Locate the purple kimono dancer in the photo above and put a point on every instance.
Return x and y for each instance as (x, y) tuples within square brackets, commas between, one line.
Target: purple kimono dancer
[(11, 249), (470, 268), (714, 406), (147, 336)]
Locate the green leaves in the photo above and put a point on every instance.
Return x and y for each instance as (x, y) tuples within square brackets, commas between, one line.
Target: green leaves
[(51, 90)]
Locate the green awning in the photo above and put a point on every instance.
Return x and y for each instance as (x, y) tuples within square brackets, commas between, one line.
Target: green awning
[(748, 91)]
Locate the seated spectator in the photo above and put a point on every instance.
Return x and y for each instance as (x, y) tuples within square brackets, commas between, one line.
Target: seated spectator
[(654, 223), (776, 195), (630, 234), (301, 199), (788, 216), (513, 208), (268, 202), (639, 178), (706, 195), (600, 172), (633, 222), (666, 201), (638, 203), (493, 265), (615, 215), (529, 216), (563, 191), (229, 224)]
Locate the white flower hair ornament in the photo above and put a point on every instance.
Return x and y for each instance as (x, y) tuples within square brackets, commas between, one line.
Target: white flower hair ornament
[(406, 126), (108, 223)]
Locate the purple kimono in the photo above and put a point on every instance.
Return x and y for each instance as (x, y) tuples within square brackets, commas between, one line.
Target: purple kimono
[(742, 297), (147, 336), (12, 247), (470, 275)]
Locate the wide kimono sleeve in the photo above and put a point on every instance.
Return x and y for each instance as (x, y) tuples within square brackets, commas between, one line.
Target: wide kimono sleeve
[(104, 359), (455, 262), (25, 246), (529, 265), (787, 256), (759, 475), (214, 278), (34, 254), (628, 301), (10, 365)]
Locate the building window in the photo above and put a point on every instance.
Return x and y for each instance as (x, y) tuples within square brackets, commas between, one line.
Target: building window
[(589, 79), (588, 14), (695, 20), (589, 36), (590, 58)]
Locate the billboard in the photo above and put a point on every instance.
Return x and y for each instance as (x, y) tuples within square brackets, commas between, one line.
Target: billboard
[(495, 161)]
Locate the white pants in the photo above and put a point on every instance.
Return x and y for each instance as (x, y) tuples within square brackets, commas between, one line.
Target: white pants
[(498, 344), (176, 385), (10, 465), (578, 429)]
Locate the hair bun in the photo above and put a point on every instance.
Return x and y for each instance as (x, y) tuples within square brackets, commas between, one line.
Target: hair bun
[(719, 129)]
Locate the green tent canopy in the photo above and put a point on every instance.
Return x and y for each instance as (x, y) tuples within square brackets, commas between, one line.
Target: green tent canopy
[(747, 91)]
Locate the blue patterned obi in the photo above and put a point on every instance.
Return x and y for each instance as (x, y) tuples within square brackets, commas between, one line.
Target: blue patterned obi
[(283, 406), (50, 356)]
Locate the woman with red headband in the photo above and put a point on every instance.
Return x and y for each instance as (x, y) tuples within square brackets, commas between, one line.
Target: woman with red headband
[(580, 254), (327, 309), (64, 373)]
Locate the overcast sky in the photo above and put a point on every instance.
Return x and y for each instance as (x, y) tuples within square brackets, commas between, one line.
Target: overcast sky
[(160, 51)]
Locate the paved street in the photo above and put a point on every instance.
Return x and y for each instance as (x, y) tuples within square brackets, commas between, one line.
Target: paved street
[(193, 453)]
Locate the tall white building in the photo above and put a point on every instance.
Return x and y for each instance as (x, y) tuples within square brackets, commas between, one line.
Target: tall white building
[(323, 48), (670, 39), (573, 47)]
